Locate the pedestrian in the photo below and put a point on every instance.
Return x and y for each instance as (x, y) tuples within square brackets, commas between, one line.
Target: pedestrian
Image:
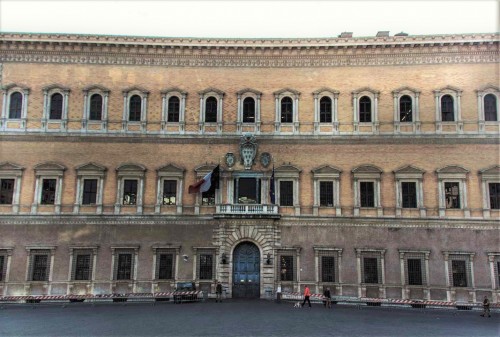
[(278, 294), (307, 294), (328, 297), (486, 307), (218, 292)]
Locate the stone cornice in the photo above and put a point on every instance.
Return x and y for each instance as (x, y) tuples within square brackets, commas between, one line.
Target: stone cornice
[(192, 52)]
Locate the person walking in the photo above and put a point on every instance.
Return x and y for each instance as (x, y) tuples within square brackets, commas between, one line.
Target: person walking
[(328, 297), (218, 292), (486, 307), (307, 294)]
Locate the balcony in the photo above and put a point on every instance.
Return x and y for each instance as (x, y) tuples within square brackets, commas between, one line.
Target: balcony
[(246, 211)]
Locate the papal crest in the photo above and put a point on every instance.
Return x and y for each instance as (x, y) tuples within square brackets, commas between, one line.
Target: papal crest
[(248, 150)]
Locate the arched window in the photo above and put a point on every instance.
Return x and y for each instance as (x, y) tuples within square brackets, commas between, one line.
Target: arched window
[(325, 110), (447, 110), (16, 105), (56, 106), (95, 111), (211, 110), (490, 108), (173, 109), (248, 110), (405, 105), (365, 109), (286, 110), (135, 108)]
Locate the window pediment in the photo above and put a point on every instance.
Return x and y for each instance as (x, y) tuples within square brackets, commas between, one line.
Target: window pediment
[(326, 171), (366, 89), (405, 88), (492, 172), (453, 169), (90, 168), (130, 169), (287, 170), (286, 92), (49, 166), (171, 170), (172, 90), (249, 90), (10, 168), (204, 169), (448, 88), (211, 90), (367, 169), (95, 87), (55, 86), (326, 90), (409, 169), (135, 88), (13, 86)]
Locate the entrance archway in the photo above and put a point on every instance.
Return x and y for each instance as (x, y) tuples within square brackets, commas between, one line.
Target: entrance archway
[(246, 271)]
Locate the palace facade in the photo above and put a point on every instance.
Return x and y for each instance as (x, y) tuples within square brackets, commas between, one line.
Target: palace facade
[(369, 165)]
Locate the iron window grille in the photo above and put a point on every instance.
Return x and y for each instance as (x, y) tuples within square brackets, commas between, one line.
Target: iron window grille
[(48, 192), (405, 106), (211, 110), (83, 266), (95, 110), (490, 108), (165, 265), (89, 196), (371, 270), (409, 194), (286, 110), (173, 109), (494, 189), (452, 194), (15, 105), (326, 193), (286, 268), (205, 266), (414, 267), (328, 269), (365, 109), (169, 192), (129, 192), (6, 191), (248, 110), (124, 266), (325, 110), (367, 194), (56, 106), (40, 267), (459, 273), (447, 109), (286, 193)]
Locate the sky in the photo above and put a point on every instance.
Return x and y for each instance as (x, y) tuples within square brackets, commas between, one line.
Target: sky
[(249, 19)]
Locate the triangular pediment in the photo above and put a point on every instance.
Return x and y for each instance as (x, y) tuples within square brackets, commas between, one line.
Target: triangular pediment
[(171, 168), (326, 169), (367, 169), (452, 169), (287, 90), (205, 168), (492, 170), (287, 168), (135, 88), (7, 166), (325, 89), (130, 167), (409, 169), (91, 167), (50, 166), (95, 87), (211, 89)]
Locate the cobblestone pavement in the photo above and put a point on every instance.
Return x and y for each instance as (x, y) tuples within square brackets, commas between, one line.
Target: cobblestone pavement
[(238, 318)]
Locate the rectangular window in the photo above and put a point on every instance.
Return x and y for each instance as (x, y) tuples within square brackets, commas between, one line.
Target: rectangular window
[(169, 192), (89, 196), (208, 197), (124, 267), (409, 194), (498, 274), (48, 195), (165, 266), (129, 192), (452, 194), (327, 269), (459, 273), (286, 193), (326, 193), (247, 190), (3, 266), (6, 191), (414, 271), (40, 267), (370, 267), (83, 267), (366, 194), (286, 268), (494, 189), (206, 266)]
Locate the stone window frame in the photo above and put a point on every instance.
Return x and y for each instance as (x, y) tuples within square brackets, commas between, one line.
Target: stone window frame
[(200, 172), (379, 254), (48, 92), (170, 172), (115, 252), (468, 257), (88, 92), (410, 173), (9, 170), (7, 91), (6, 252), (295, 253), (493, 261), (374, 96), (82, 250), (89, 170), (423, 255), (456, 94), (48, 170), (166, 94), (334, 96), (130, 171), (414, 94), (278, 96), (198, 251), (330, 174), (241, 96), (481, 93), (451, 174), (287, 172), (488, 175), (40, 250), (367, 173), (165, 249), (336, 252), (219, 96), (127, 95)]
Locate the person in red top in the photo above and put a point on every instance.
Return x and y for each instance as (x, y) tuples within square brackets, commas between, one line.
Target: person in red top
[(307, 294)]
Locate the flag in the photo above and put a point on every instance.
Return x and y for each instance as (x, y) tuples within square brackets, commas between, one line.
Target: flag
[(271, 188), (210, 182)]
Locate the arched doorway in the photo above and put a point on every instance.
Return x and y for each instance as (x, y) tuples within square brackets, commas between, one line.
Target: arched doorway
[(246, 271)]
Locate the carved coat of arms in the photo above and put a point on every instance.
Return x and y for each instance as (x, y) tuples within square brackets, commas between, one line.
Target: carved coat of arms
[(248, 150)]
